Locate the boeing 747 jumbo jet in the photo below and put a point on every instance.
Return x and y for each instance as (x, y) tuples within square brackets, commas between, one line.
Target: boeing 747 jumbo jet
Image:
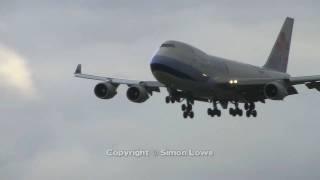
[(190, 75)]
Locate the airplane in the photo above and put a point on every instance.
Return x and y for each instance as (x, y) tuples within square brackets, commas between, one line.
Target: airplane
[(190, 75)]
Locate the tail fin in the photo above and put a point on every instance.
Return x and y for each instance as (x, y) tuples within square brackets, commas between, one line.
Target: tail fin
[(278, 58)]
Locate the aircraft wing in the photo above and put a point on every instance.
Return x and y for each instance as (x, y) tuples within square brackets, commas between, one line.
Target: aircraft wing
[(312, 82), (304, 79), (151, 85)]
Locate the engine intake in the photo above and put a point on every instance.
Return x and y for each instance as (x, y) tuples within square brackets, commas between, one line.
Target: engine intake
[(275, 91), (105, 90), (137, 94)]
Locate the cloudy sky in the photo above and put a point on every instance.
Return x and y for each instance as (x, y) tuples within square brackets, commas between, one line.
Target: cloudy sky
[(53, 127)]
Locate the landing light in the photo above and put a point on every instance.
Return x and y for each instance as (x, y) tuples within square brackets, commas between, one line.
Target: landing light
[(205, 75), (233, 81)]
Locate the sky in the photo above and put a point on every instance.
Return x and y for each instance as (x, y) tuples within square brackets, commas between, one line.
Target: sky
[(53, 127)]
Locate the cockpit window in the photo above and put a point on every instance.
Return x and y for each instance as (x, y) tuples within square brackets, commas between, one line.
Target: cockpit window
[(168, 45)]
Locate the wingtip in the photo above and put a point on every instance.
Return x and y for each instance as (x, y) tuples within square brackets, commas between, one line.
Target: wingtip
[(78, 69), (290, 18)]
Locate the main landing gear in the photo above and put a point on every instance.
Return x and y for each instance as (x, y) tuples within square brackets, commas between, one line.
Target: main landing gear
[(215, 111), (187, 109), (236, 111), (250, 108)]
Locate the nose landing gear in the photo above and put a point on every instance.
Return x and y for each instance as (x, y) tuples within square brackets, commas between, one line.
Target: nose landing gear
[(170, 99)]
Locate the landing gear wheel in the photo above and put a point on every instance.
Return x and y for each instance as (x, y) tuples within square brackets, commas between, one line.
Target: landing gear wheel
[(167, 99), (217, 112), (240, 112), (232, 112), (251, 110), (185, 115), (183, 107), (248, 113), (254, 113), (246, 106), (236, 112), (189, 107), (191, 114), (252, 106), (214, 111), (172, 100)]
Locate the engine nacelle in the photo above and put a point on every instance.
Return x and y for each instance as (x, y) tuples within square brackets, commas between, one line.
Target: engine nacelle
[(105, 90), (137, 94), (275, 91)]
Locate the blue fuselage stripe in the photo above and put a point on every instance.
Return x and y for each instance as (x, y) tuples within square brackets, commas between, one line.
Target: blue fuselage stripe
[(164, 68), (175, 68)]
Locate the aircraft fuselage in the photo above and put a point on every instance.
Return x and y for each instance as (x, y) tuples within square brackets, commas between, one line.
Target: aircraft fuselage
[(183, 67)]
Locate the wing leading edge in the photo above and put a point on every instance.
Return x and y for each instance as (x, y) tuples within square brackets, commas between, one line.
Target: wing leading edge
[(154, 85)]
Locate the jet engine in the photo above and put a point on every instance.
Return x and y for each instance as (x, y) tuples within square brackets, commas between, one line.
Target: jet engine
[(105, 90), (275, 91), (137, 94)]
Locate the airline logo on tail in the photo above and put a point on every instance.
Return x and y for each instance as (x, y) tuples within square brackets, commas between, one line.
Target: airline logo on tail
[(283, 46), (282, 43)]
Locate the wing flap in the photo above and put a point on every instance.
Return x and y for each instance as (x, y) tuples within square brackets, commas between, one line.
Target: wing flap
[(313, 85)]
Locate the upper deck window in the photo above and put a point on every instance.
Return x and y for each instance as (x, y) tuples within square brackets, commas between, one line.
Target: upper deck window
[(168, 45)]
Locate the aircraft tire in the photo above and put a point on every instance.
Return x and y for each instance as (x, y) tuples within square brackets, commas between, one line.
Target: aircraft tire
[(185, 115), (183, 107), (240, 112), (254, 113), (191, 114), (248, 113), (167, 99)]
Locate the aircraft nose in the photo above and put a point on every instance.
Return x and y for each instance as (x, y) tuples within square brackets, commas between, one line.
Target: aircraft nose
[(155, 62), (155, 59)]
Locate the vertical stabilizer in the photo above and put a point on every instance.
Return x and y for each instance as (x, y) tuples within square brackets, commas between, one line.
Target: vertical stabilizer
[(279, 56)]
